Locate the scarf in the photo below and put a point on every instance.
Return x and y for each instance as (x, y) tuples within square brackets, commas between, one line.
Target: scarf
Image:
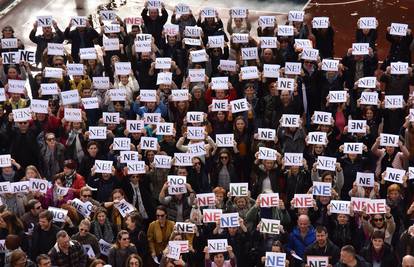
[(69, 179), (9, 177), (74, 137), (107, 234)]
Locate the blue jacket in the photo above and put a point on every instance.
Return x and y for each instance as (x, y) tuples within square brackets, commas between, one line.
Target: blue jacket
[(161, 108), (298, 244)]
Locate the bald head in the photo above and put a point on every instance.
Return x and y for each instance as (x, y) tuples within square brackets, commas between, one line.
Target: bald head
[(408, 261), (303, 223)]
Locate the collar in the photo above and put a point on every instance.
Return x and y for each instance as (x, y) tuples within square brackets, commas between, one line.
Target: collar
[(56, 246)]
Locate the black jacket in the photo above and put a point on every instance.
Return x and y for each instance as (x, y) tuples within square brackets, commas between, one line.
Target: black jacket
[(388, 256), (330, 250)]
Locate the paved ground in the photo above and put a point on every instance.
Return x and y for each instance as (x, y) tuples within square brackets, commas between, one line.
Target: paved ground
[(22, 16), (345, 13)]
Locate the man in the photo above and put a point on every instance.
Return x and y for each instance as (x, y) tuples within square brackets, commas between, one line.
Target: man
[(302, 236), (31, 217), (408, 261), (44, 234), (66, 252), (81, 37), (43, 260), (349, 258), (323, 246), (154, 23), (47, 37)]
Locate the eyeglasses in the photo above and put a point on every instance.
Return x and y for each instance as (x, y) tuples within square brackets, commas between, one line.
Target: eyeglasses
[(86, 195), (125, 238), (51, 139), (378, 219), (223, 157), (160, 215)]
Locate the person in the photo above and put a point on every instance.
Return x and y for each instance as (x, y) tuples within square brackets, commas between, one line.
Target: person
[(302, 236), (67, 252), (43, 260), (408, 261), (159, 232), (136, 232), (378, 252), (349, 258), (323, 246), (44, 235), (85, 238), (134, 260), (31, 217), (18, 259), (218, 258), (121, 250)]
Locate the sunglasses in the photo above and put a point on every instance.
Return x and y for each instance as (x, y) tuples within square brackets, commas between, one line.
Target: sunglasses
[(223, 157), (160, 215), (86, 195), (125, 238), (51, 139)]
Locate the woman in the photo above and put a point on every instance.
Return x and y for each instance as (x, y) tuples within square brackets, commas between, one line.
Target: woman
[(121, 250), (134, 260), (379, 222), (101, 227), (12, 223), (136, 232), (19, 259), (114, 215), (218, 258), (242, 135), (57, 195), (52, 156), (98, 263), (277, 247), (379, 253), (224, 172)]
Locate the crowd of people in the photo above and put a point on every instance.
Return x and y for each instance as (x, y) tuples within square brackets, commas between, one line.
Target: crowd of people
[(158, 141)]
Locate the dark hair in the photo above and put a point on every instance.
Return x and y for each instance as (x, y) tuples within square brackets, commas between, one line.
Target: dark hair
[(378, 235), (46, 214), (61, 233), (136, 218), (32, 203), (134, 256), (321, 228), (161, 207), (14, 224), (349, 249), (91, 143), (96, 262), (12, 242), (42, 257)]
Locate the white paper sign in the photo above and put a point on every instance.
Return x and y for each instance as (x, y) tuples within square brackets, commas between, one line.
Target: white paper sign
[(321, 189), (326, 163), (324, 118), (162, 161), (239, 189), (337, 96), (164, 78), (394, 175), (134, 126), (367, 23), (176, 184), (97, 132), (39, 106), (220, 83), (70, 97), (136, 167), (227, 65), (399, 67), (225, 140), (87, 53), (124, 207), (8, 43), (16, 86), (365, 179), (271, 70), (240, 38), (266, 21), (111, 44), (90, 102), (394, 101), (103, 166), (59, 215), (268, 42), (229, 220), (286, 84), (296, 16), (180, 95), (290, 120), (317, 138), (360, 48), (198, 56), (197, 75), (340, 206), (275, 259), (398, 29), (5, 160), (149, 143), (73, 114), (269, 226), (165, 128), (249, 53), (367, 82), (330, 64), (293, 159), (266, 134), (195, 133), (215, 41), (239, 105), (285, 30), (369, 98), (183, 159), (320, 22), (44, 21), (353, 148), (217, 245), (22, 114), (163, 63), (220, 105), (267, 153), (101, 82), (75, 69), (122, 68), (357, 126), (309, 54), (389, 140), (55, 49)]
